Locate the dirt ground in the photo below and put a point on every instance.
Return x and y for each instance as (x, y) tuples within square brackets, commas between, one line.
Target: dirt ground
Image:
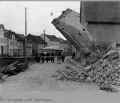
[(36, 85)]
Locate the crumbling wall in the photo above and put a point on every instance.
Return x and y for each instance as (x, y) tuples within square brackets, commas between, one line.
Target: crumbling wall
[(68, 23), (96, 62)]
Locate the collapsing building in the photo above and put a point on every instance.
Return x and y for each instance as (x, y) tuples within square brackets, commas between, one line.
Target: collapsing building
[(97, 61), (69, 25)]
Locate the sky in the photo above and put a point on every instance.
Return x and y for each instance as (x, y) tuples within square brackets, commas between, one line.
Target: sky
[(39, 16)]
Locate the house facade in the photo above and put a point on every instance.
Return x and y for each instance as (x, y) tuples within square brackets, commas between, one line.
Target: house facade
[(11, 43), (20, 44), (36, 42), (3, 41), (15, 43), (50, 39), (102, 19)]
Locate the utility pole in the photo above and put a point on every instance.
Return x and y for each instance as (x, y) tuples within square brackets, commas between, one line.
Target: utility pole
[(25, 43), (44, 37), (80, 11)]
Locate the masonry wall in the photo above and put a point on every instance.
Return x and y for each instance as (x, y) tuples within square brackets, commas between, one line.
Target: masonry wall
[(105, 32)]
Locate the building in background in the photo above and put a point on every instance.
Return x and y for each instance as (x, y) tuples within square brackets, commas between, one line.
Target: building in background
[(15, 43), (20, 44), (11, 43), (3, 40), (37, 43), (102, 19), (52, 40), (8, 42)]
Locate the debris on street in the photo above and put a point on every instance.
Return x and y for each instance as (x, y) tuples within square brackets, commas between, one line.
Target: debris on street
[(96, 62), (13, 68), (104, 73)]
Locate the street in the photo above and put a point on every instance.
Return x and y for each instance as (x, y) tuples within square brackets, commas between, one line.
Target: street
[(37, 83), (37, 77)]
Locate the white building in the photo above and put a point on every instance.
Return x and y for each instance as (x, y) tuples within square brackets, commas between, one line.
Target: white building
[(3, 41)]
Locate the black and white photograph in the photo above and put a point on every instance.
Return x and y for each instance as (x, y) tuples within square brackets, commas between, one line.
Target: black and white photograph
[(60, 51)]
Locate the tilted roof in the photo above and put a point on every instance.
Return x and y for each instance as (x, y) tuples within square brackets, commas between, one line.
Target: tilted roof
[(9, 33)]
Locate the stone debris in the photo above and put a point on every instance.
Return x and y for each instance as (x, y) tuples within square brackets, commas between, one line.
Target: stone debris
[(13, 69), (95, 61), (104, 73)]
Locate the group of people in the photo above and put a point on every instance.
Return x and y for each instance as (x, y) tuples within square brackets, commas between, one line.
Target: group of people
[(50, 57)]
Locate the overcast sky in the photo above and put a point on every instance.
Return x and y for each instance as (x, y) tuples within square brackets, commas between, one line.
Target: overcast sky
[(38, 15)]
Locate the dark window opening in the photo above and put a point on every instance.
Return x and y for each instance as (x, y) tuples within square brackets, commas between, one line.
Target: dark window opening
[(118, 45), (83, 29)]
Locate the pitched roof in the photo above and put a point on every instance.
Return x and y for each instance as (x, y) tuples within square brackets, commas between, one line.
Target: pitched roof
[(19, 36), (35, 38), (102, 11), (9, 33)]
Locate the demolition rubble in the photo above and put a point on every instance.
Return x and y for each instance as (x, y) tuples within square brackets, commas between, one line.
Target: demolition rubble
[(96, 62)]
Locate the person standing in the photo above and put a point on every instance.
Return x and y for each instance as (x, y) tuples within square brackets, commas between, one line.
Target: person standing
[(63, 57)]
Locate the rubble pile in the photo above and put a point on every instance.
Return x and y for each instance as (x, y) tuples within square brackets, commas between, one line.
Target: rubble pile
[(13, 69), (98, 49), (105, 72), (95, 61)]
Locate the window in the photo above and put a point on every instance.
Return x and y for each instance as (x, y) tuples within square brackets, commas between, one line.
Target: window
[(118, 45)]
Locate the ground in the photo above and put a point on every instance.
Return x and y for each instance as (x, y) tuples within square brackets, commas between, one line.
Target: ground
[(38, 86)]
